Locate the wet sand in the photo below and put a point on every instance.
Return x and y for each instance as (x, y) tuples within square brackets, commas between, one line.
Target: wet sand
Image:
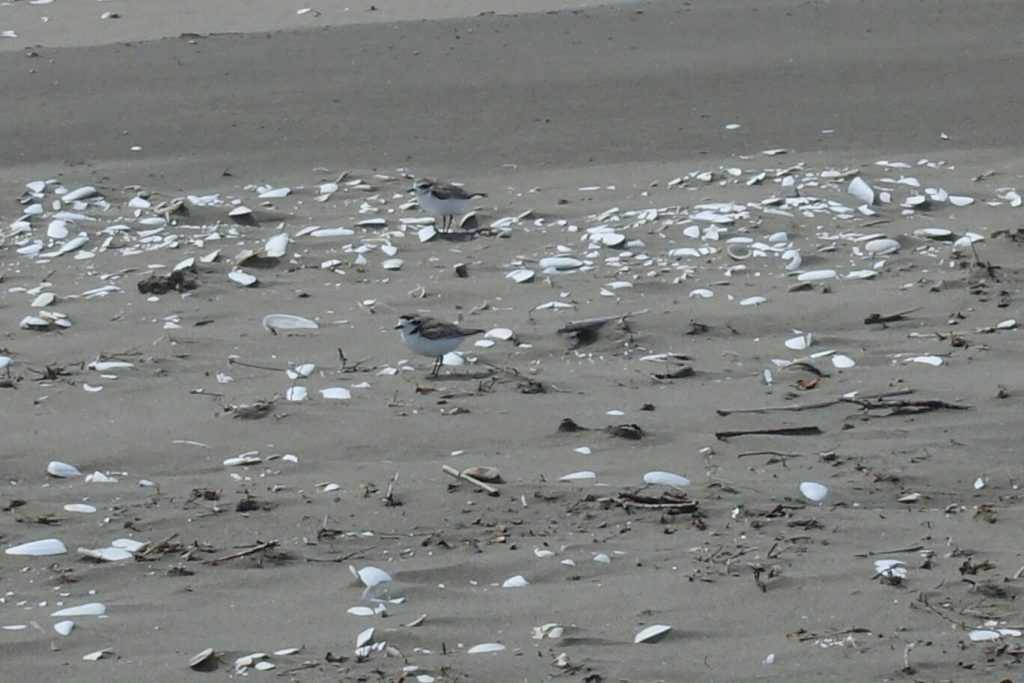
[(568, 113)]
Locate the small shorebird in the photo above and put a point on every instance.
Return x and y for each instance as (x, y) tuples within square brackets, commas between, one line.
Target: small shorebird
[(443, 200), (430, 337)]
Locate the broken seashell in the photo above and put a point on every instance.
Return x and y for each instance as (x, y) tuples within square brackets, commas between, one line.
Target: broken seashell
[(241, 277), (370, 576), (392, 264), (284, 321), (520, 276), (484, 648), (577, 476), (200, 659), (813, 491), (277, 246), (62, 470), (488, 474), (560, 263), (64, 627), (89, 609), (336, 393), (41, 548), (652, 634), (813, 275), (665, 478), (882, 246), (517, 581), (861, 190)]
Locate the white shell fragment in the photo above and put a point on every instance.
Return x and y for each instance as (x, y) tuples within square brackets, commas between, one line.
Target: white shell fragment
[(518, 581), (814, 491), (336, 393), (89, 609), (286, 322), (521, 275), (370, 576), (241, 277), (41, 548), (814, 275), (652, 634), (485, 648), (861, 190), (666, 479), (62, 470), (64, 627), (578, 476), (277, 246), (881, 246)]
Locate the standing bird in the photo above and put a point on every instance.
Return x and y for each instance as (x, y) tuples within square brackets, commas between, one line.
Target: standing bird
[(443, 200), (430, 337)]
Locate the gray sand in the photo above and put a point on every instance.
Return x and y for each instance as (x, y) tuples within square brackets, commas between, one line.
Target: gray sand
[(528, 108)]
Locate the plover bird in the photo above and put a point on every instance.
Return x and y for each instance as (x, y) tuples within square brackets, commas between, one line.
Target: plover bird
[(443, 200), (430, 337)]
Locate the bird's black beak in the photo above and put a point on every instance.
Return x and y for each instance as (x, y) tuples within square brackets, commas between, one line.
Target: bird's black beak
[(398, 326)]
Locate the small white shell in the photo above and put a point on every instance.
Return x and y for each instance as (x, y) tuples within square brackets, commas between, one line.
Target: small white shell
[(285, 321), (63, 470), (484, 648), (184, 264), (426, 233), (80, 507), (521, 275), (502, 333), (392, 264), (934, 361), (41, 548), (89, 609), (560, 263), (44, 300), (517, 581), (241, 277), (812, 275), (753, 301), (861, 190), (364, 637), (960, 200), (336, 393), (652, 634), (576, 476), (297, 393), (106, 554), (814, 491), (64, 627), (665, 478), (79, 193), (842, 361), (277, 246), (370, 576), (881, 246), (800, 343)]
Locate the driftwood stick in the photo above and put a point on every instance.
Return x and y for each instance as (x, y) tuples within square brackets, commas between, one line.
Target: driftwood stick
[(491, 491), (153, 547), (259, 547), (781, 431), (594, 323), (810, 406)]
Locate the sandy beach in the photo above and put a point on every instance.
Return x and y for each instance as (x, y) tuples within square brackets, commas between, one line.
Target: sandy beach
[(792, 443)]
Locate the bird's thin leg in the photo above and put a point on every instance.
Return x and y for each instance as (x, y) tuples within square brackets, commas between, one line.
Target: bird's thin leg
[(437, 366)]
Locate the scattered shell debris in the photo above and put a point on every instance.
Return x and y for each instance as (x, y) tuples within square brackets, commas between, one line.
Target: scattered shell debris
[(759, 326)]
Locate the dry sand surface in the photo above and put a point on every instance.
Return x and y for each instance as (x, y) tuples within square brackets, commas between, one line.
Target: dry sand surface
[(808, 211)]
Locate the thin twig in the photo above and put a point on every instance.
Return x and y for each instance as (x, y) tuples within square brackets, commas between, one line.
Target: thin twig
[(259, 547)]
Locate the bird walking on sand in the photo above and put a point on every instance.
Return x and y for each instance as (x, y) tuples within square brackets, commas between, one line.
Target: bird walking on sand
[(431, 337), (443, 200)]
